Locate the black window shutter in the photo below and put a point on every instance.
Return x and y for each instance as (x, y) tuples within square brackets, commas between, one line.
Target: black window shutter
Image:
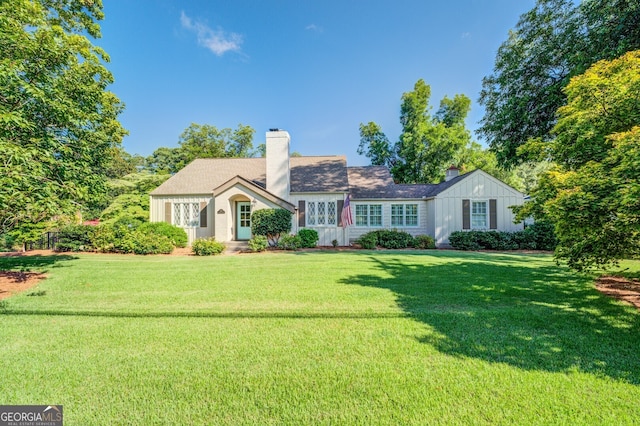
[(203, 214), (466, 214), (167, 212), (301, 219), (493, 214), (339, 211)]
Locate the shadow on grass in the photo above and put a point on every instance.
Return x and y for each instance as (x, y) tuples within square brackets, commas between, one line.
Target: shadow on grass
[(506, 309), (38, 263)]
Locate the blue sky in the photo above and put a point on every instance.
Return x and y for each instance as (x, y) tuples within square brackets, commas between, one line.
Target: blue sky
[(314, 68)]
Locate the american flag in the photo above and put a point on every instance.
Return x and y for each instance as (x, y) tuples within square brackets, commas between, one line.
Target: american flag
[(345, 215)]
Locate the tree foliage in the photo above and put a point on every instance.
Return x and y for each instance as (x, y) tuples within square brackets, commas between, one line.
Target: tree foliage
[(556, 40), (593, 196), (428, 144), (58, 121), (203, 141)]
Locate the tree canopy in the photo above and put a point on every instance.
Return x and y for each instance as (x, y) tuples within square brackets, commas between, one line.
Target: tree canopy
[(428, 144), (556, 40), (203, 141), (58, 121), (593, 196)]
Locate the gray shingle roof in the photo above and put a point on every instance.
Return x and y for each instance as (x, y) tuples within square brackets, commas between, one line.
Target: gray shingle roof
[(370, 182), (308, 174)]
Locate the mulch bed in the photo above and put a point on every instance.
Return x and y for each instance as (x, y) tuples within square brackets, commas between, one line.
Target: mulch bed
[(12, 282), (620, 288)]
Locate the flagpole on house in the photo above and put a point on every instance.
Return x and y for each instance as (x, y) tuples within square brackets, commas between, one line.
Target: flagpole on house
[(347, 218)]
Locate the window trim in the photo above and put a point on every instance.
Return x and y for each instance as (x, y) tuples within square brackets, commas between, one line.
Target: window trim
[(405, 215), (368, 216), (194, 208), (312, 215), (486, 214)]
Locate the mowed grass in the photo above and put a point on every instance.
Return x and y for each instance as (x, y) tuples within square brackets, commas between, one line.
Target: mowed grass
[(378, 337)]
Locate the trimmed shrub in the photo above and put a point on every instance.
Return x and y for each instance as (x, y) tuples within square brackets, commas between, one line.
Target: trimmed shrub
[(309, 237), (258, 243), (423, 242), (75, 238), (386, 238), (539, 236), (271, 223), (368, 241), (175, 234), (121, 238), (290, 242), (147, 243), (207, 247), (544, 234), (394, 239)]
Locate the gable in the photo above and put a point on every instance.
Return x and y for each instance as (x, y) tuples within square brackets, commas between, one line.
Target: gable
[(476, 184)]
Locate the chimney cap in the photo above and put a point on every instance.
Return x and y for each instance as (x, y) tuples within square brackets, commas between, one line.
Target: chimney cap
[(275, 129), (453, 167)]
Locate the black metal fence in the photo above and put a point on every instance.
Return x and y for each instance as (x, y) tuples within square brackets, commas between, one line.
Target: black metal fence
[(47, 241)]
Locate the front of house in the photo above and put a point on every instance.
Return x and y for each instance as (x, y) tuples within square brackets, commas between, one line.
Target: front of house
[(215, 198)]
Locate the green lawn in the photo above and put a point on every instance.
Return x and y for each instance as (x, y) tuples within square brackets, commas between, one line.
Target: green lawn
[(436, 337)]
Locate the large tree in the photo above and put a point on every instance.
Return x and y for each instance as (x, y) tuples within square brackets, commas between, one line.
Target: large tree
[(556, 40), (58, 121), (428, 144), (593, 197), (203, 141)]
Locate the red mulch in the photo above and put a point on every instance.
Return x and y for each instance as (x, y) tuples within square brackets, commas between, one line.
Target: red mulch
[(12, 282), (620, 288)]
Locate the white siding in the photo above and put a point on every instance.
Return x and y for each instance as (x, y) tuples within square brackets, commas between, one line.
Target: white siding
[(481, 187), (326, 233), (156, 207)]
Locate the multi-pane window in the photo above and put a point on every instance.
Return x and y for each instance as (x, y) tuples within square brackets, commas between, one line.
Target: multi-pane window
[(321, 213), (186, 214), (245, 215), (368, 214), (404, 215), (479, 215)]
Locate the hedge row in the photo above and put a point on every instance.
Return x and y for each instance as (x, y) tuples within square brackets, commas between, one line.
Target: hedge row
[(394, 239), (122, 237), (539, 236)]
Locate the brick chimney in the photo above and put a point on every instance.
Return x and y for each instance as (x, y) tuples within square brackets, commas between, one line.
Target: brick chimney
[(451, 172), (278, 171)]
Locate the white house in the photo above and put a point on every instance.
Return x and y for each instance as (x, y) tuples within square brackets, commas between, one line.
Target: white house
[(215, 197)]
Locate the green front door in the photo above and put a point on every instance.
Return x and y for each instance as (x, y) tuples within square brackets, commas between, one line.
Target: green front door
[(243, 221)]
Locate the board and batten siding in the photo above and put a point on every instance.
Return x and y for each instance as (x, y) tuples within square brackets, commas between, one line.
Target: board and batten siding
[(447, 206), (158, 213), (326, 233), (356, 232)]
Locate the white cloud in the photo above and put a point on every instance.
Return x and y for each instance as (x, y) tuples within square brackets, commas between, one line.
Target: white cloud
[(217, 41), (314, 27), (465, 35)]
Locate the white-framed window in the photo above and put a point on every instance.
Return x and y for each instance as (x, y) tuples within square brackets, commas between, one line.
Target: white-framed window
[(186, 215), (368, 215), (321, 213), (404, 215), (479, 215)]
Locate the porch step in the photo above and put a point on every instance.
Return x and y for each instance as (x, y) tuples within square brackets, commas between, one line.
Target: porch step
[(236, 246)]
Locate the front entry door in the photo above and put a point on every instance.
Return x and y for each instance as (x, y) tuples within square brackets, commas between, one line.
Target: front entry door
[(243, 221)]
